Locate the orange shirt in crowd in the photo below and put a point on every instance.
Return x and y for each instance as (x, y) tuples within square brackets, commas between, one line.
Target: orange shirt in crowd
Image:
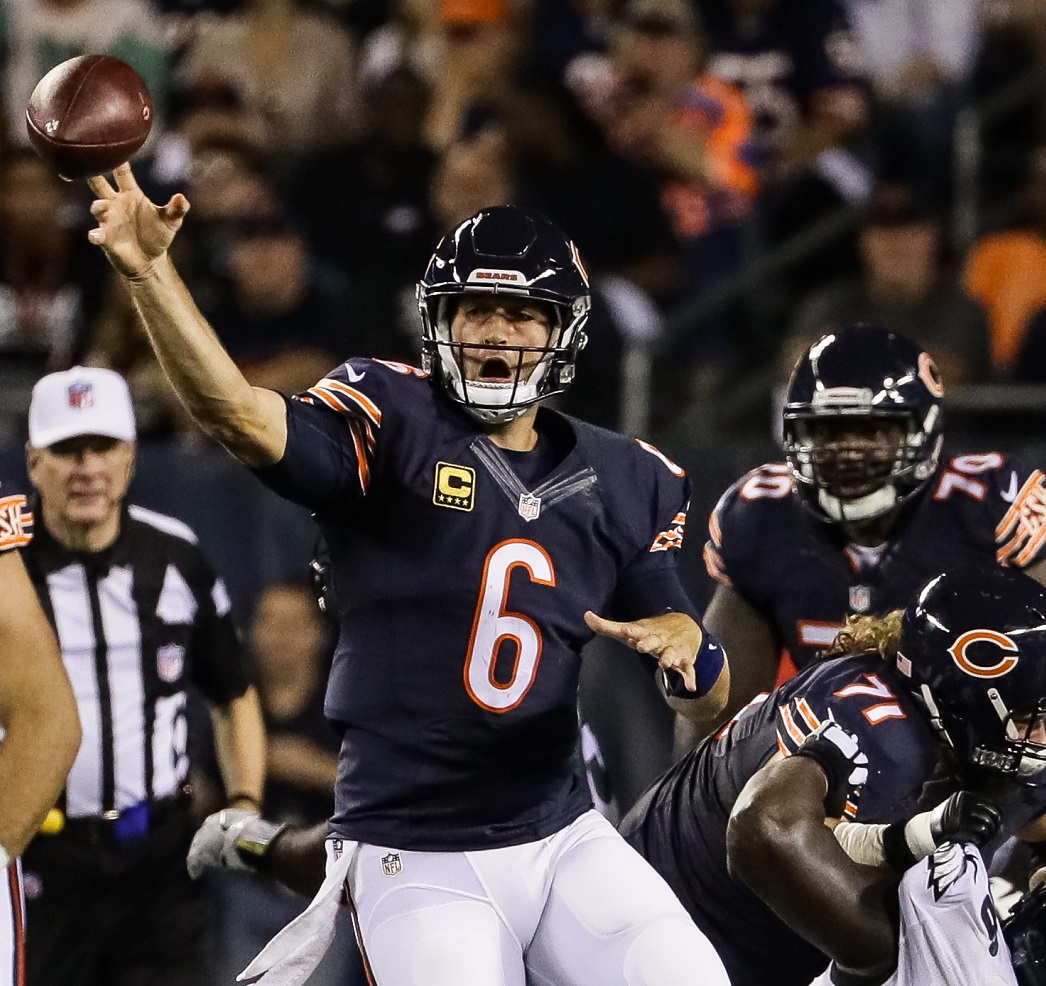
[(1006, 273), (718, 116)]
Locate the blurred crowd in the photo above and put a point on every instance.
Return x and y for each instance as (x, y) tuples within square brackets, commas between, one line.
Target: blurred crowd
[(739, 175)]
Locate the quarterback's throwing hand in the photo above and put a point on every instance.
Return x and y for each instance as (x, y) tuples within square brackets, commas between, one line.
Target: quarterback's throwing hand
[(133, 232), (231, 839), (673, 638)]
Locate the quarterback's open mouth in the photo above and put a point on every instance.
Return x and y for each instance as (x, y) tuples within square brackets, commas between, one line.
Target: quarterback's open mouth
[(495, 371)]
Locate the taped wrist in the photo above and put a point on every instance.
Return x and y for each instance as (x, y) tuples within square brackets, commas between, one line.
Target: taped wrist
[(862, 842), (905, 843), (708, 666)]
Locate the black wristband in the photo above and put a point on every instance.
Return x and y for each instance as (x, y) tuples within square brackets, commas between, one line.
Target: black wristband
[(1038, 854), (895, 848), (836, 769)]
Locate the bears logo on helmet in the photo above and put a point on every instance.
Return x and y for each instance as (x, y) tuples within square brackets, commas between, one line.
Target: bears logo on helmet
[(508, 251), (973, 649), (862, 377)]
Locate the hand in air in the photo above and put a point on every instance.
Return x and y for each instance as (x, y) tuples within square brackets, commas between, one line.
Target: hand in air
[(673, 638), (133, 232)]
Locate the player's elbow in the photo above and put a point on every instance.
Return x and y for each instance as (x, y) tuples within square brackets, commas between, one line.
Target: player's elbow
[(756, 835), (62, 721)]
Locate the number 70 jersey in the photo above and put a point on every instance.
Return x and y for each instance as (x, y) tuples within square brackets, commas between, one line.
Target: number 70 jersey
[(462, 577), (799, 573)]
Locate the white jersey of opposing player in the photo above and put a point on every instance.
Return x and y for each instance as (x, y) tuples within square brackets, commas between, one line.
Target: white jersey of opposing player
[(950, 933)]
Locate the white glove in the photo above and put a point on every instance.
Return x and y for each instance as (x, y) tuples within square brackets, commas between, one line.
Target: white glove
[(231, 839), (838, 752)]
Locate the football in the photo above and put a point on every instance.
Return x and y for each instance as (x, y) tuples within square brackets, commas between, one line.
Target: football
[(88, 115)]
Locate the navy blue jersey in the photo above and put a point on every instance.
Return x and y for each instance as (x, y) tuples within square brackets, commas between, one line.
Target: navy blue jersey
[(462, 574), (679, 825), (803, 578), (781, 58)]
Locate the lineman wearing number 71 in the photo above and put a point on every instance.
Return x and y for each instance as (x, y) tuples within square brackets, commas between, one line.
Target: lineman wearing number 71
[(474, 537)]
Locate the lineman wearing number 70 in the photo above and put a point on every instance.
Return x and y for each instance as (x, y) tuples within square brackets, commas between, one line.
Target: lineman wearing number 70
[(474, 537)]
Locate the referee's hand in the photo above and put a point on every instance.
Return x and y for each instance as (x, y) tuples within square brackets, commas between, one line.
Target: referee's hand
[(231, 839)]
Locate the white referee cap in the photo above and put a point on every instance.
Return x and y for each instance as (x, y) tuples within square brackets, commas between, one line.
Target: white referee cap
[(85, 400)]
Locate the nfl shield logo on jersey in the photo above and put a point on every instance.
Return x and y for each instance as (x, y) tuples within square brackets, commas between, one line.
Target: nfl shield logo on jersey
[(529, 506), (170, 660), (392, 865), (860, 598)]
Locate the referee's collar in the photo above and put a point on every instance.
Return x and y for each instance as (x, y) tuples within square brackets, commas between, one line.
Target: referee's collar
[(52, 551)]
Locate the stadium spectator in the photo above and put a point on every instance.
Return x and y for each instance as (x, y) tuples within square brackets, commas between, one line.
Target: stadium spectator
[(51, 291), (376, 229), (918, 59), (478, 69), (278, 318), (796, 63), (35, 35), (294, 68), (694, 132), (905, 286), (1006, 271), (411, 39)]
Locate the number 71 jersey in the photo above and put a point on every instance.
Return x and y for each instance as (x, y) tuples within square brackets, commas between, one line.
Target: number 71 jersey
[(803, 577), (462, 574)]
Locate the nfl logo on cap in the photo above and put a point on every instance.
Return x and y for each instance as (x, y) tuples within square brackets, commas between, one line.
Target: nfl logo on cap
[(80, 394), (84, 400)]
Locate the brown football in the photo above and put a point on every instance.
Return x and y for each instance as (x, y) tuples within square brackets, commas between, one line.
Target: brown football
[(88, 115)]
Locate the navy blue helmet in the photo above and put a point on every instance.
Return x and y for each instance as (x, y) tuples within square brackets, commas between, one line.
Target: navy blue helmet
[(503, 250), (878, 383), (973, 650)]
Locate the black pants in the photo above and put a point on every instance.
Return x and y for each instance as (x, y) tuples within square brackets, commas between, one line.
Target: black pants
[(101, 913)]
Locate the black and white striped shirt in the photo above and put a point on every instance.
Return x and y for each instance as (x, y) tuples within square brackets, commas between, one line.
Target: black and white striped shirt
[(136, 623)]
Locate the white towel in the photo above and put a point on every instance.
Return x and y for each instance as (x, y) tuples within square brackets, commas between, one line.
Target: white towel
[(290, 958)]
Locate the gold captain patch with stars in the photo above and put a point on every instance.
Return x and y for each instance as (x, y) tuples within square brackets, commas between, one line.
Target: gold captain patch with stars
[(455, 486)]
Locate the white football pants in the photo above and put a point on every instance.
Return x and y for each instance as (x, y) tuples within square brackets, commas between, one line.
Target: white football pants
[(580, 908)]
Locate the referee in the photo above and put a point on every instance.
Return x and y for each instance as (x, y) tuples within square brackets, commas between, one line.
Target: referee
[(139, 615)]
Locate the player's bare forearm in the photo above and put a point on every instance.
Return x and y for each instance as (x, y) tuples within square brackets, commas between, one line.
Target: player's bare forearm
[(779, 846), (136, 235), (749, 641), (249, 421), (239, 739), (37, 710), (298, 858)]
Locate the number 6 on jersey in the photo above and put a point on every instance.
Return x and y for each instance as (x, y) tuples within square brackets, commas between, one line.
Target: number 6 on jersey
[(493, 624)]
